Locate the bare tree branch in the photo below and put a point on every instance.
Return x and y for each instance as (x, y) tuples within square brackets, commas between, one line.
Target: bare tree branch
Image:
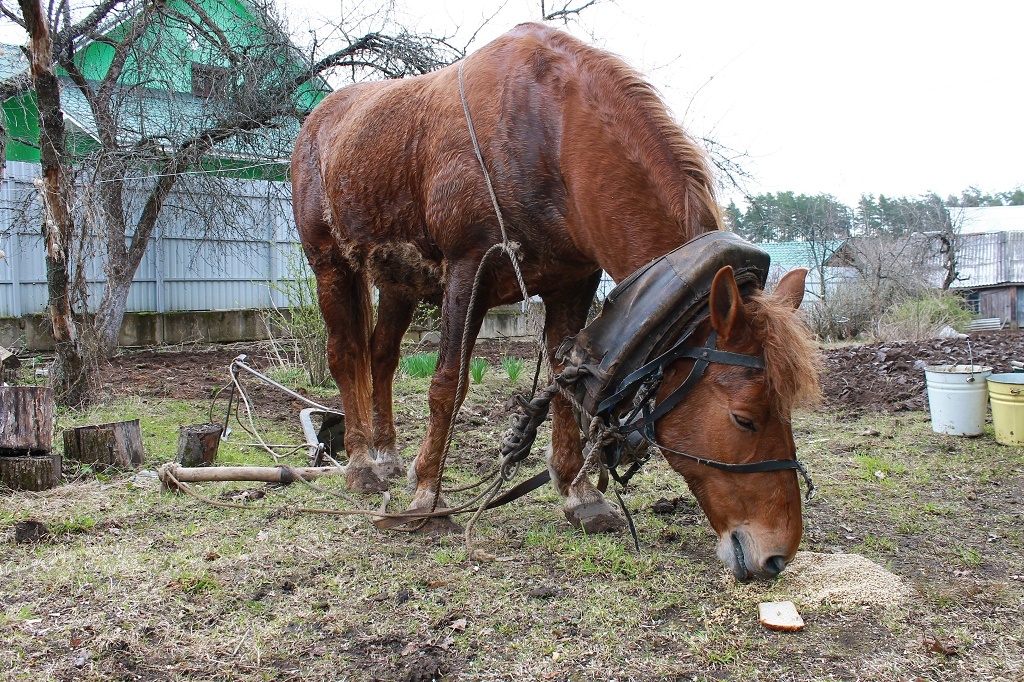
[(89, 23), (15, 85), (566, 11), (12, 16)]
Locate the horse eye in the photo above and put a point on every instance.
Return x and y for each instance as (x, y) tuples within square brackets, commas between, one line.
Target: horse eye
[(745, 423)]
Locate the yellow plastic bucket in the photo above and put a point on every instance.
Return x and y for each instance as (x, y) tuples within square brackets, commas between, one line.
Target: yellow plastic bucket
[(1006, 391)]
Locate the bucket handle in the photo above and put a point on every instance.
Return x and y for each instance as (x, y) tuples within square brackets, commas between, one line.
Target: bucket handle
[(1016, 391), (970, 355)]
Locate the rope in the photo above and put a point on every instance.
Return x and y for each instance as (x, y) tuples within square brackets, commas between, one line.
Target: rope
[(168, 471), (511, 248), (517, 441)]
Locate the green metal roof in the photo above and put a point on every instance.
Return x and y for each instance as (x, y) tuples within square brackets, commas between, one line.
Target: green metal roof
[(12, 61), (163, 117), (802, 254), (170, 118)]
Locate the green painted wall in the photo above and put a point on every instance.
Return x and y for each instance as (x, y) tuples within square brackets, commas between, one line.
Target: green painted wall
[(171, 70)]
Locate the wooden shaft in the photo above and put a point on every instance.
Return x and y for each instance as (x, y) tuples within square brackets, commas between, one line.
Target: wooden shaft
[(263, 474)]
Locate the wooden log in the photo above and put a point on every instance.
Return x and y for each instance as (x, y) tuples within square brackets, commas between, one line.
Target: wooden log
[(115, 444), (261, 474), (197, 445), (26, 420), (30, 472)]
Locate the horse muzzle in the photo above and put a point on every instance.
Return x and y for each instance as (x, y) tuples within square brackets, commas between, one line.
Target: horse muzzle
[(745, 558)]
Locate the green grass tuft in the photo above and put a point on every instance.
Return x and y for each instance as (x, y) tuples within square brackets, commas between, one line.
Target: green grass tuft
[(477, 369), (513, 367), (418, 365)]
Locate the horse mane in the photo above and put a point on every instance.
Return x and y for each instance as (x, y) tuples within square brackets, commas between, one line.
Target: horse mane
[(656, 142), (792, 362)]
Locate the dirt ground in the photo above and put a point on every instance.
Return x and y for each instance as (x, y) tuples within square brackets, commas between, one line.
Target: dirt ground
[(870, 377), (890, 376), (129, 583)]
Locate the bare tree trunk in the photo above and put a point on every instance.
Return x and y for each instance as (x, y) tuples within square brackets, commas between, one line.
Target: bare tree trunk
[(110, 314), (123, 261), (70, 375)]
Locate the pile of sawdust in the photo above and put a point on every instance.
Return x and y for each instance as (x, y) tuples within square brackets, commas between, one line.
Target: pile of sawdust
[(840, 580)]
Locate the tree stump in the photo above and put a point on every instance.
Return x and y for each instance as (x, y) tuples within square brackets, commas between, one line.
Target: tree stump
[(197, 445), (26, 420), (30, 473), (116, 444)]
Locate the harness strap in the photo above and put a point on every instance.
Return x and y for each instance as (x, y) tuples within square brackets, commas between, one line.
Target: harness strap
[(642, 418), (749, 467), (527, 486), (706, 353)]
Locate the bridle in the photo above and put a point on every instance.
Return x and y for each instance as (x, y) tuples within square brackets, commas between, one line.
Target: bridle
[(614, 368), (638, 391)]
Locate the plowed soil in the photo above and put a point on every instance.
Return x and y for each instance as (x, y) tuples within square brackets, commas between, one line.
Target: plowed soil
[(872, 377), (890, 376)]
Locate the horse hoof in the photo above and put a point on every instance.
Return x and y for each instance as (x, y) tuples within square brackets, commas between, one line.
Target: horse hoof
[(595, 517), (389, 466), (364, 480), (439, 525)]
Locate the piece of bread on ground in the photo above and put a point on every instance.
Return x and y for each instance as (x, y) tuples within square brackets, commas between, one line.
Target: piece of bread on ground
[(780, 615)]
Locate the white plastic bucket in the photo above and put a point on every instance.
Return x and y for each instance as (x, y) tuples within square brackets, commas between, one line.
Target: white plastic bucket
[(957, 398)]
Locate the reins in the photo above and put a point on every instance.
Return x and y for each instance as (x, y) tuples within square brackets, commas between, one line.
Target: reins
[(644, 384)]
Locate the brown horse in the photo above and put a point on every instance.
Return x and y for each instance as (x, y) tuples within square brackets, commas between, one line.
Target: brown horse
[(590, 173)]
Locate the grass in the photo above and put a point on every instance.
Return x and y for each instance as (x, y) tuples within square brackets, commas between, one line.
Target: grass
[(143, 583), (513, 368), (418, 365), (477, 369)]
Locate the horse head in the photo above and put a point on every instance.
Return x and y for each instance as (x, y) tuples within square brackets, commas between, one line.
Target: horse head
[(741, 415)]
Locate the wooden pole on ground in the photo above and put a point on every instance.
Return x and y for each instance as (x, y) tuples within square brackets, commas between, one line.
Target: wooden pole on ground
[(261, 474)]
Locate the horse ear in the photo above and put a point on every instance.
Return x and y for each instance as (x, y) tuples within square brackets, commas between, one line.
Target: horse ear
[(726, 305), (790, 289)]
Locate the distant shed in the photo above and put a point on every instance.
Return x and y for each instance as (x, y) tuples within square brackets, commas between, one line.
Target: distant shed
[(990, 260)]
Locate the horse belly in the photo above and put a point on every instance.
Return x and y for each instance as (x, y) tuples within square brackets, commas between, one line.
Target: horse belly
[(401, 267)]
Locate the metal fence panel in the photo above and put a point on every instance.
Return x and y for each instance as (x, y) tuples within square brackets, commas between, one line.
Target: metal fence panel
[(192, 261)]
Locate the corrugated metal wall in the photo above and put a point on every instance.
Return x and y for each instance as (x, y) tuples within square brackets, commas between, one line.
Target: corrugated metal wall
[(186, 266), (990, 259)]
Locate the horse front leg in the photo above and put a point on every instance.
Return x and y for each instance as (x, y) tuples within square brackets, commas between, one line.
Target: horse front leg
[(344, 299), (444, 396), (585, 506), (394, 314)]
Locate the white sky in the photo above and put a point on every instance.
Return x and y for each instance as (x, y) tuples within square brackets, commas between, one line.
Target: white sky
[(892, 97), (897, 97)]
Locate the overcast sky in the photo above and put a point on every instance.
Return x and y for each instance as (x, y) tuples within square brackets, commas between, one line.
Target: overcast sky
[(865, 96), (891, 97)]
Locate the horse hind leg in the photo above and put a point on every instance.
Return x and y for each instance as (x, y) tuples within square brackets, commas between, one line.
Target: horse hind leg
[(585, 506), (345, 304), (394, 314)]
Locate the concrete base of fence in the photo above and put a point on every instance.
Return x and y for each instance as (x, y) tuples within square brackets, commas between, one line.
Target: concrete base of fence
[(32, 332)]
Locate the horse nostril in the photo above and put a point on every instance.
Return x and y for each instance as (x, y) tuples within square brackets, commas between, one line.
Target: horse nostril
[(775, 565)]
